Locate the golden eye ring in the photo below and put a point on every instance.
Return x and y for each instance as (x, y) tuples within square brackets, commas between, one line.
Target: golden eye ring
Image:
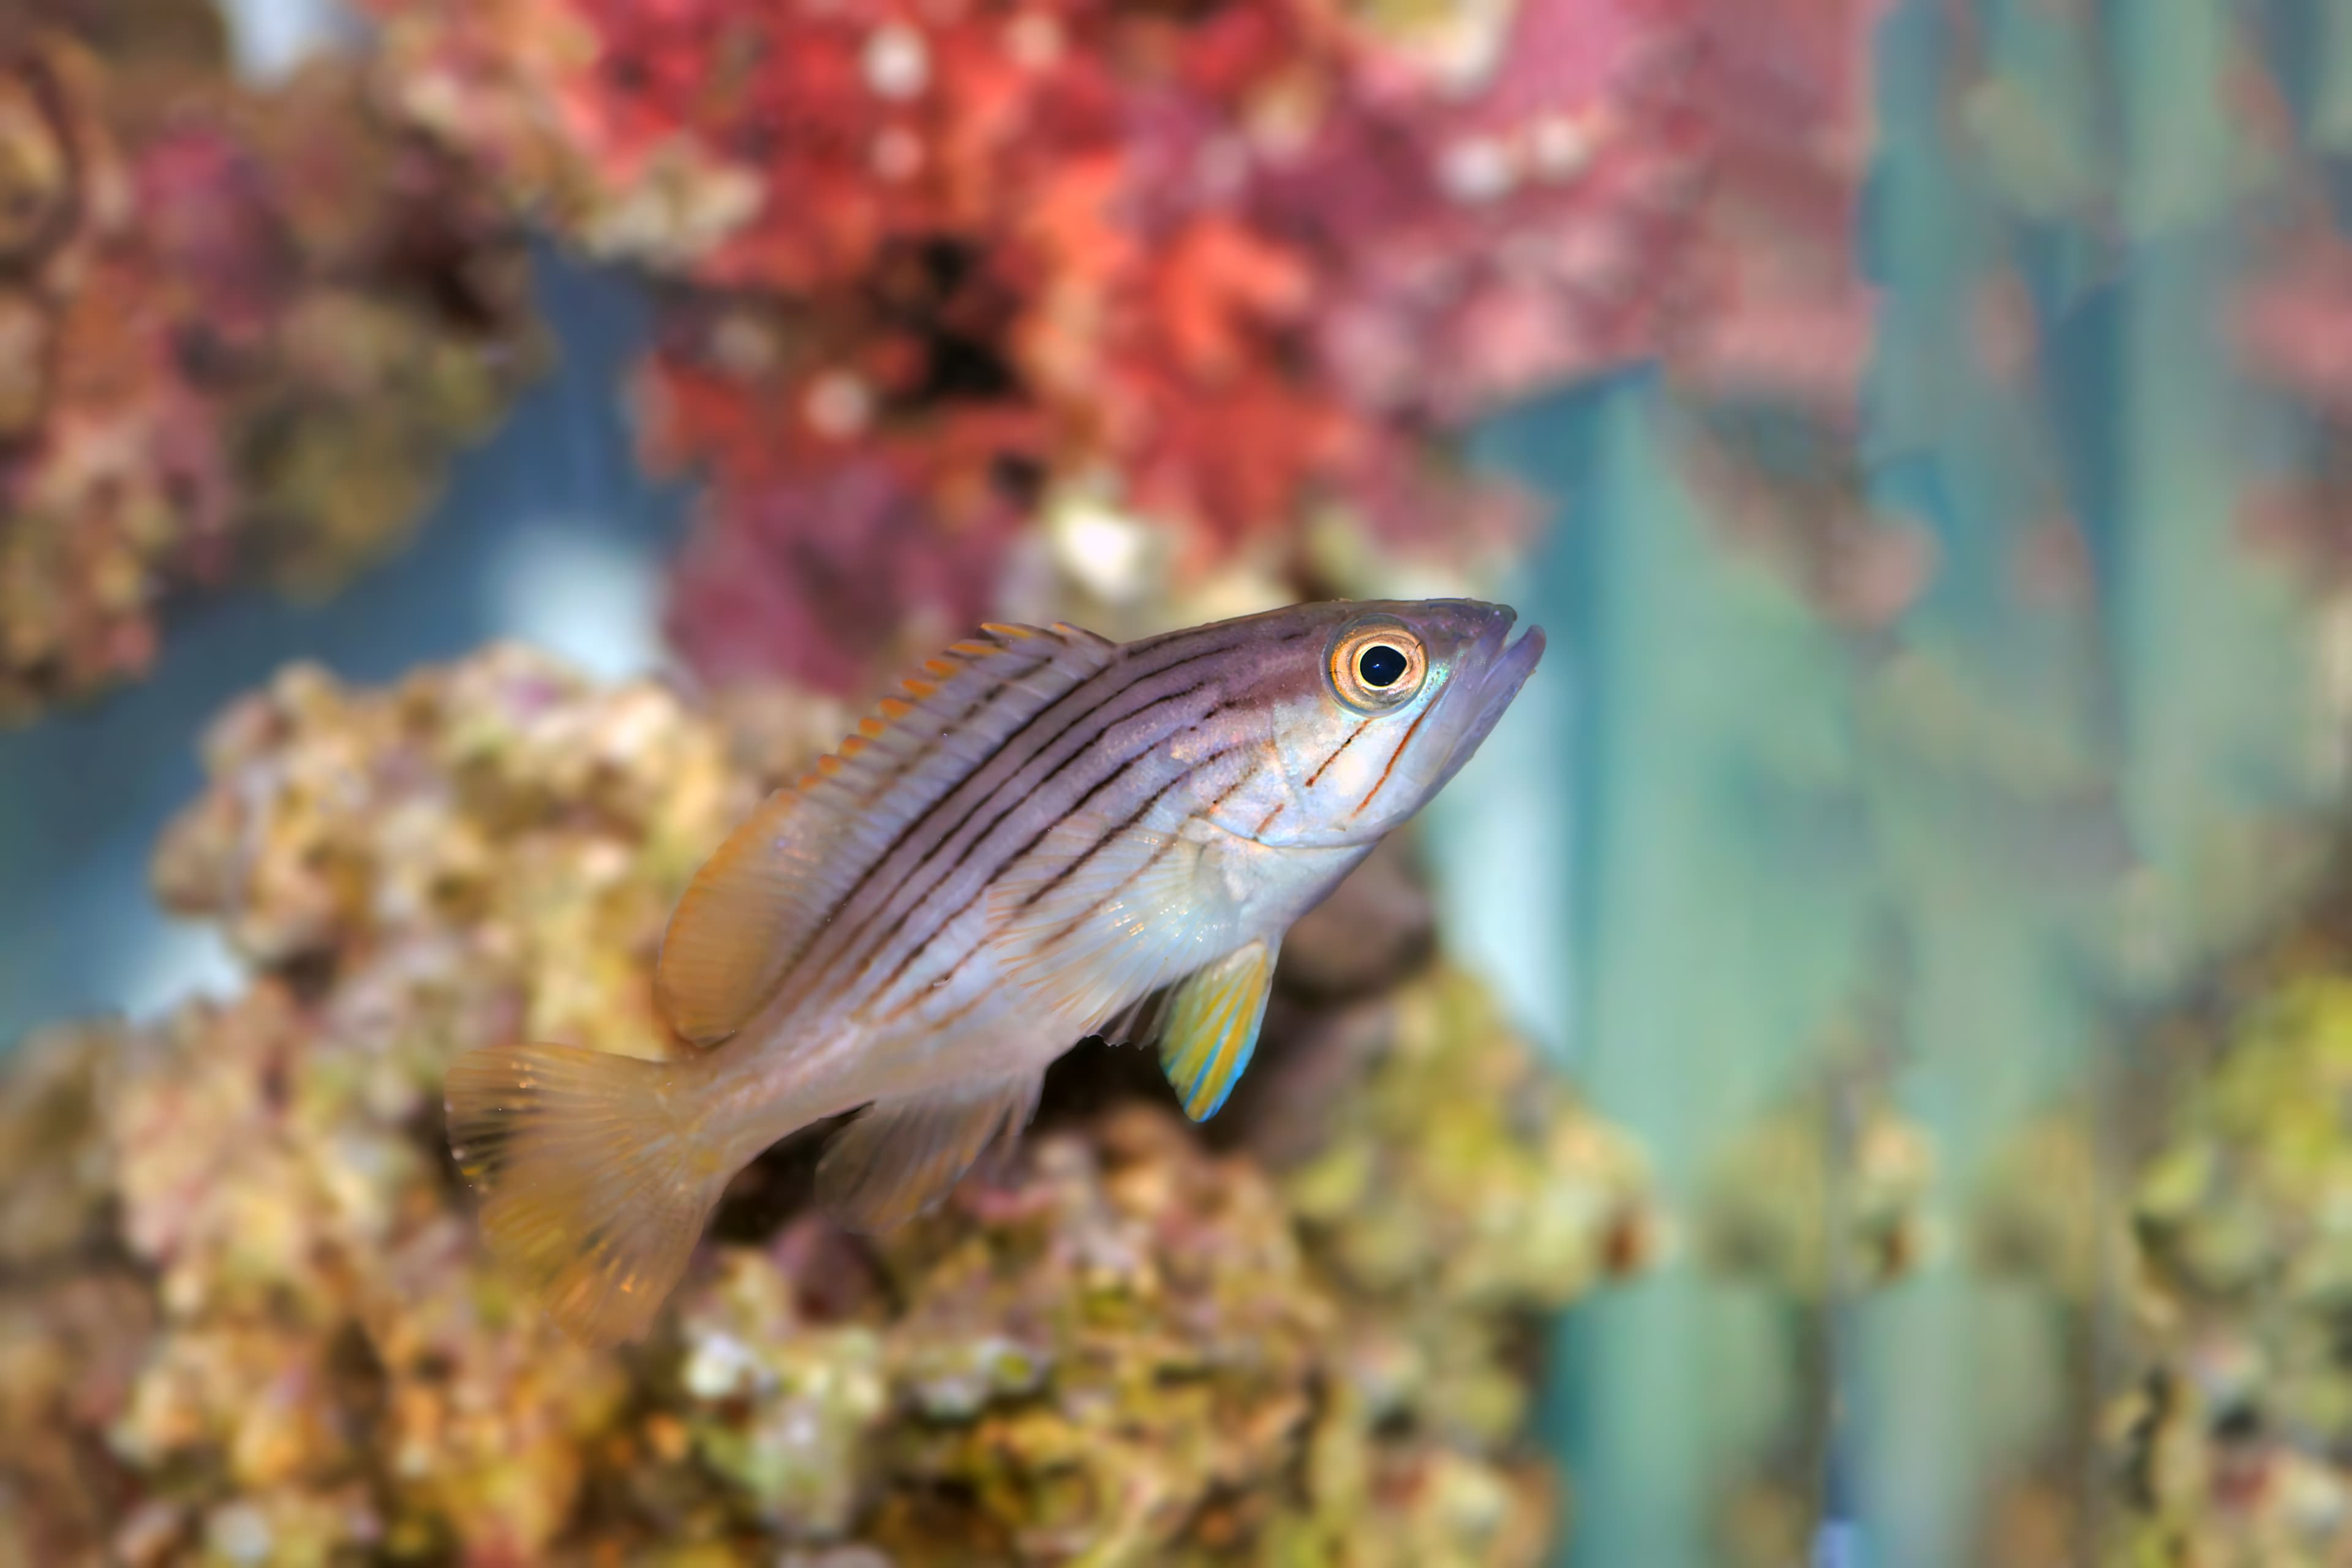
[(1376, 665)]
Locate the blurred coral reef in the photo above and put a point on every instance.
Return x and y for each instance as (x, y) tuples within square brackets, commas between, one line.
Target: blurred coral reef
[(2193, 1231), (1767, 355), (243, 1318), (1204, 285), (1820, 1201), (1820, 1167), (1195, 289), (1205, 276), (240, 330), (2232, 1445)]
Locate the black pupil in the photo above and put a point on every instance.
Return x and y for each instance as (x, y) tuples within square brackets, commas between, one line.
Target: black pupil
[(1380, 665)]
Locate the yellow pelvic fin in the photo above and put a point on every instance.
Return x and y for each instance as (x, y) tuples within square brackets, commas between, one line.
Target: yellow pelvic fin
[(906, 1153), (1211, 1024), (594, 1189)]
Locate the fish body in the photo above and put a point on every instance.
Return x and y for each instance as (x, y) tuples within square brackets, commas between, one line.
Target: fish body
[(1047, 837)]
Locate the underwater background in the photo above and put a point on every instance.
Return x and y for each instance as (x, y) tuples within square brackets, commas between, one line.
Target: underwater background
[(1855, 1072)]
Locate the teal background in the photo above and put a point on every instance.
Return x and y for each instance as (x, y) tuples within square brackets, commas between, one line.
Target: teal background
[(1981, 843)]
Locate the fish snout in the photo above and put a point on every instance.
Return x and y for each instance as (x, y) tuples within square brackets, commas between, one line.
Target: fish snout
[(1495, 631), (1498, 669)]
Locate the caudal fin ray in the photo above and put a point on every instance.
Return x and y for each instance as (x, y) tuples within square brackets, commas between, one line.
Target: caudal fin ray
[(596, 1187)]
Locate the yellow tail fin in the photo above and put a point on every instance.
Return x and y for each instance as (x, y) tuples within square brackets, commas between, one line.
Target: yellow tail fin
[(596, 1188)]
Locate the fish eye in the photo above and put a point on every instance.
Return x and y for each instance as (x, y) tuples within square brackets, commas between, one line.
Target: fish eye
[(1381, 665), (1377, 665)]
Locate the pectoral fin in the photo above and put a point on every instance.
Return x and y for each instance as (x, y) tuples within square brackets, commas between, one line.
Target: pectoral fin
[(1211, 1025), (906, 1153)]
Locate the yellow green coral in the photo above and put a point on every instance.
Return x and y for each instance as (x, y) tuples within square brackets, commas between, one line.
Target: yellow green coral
[(2231, 1445)]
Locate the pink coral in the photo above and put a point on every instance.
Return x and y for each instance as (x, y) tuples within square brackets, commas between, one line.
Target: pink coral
[(2293, 324), (1225, 263), (818, 575), (1487, 246), (1780, 309), (1770, 340), (234, 331)]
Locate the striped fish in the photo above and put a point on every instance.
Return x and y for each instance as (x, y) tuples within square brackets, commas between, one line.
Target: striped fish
[(1045, 833)]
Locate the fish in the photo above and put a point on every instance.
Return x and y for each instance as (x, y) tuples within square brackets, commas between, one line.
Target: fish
[(1043, 837)]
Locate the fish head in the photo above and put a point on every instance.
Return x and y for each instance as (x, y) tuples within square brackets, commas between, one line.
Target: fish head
[(1398, 698)]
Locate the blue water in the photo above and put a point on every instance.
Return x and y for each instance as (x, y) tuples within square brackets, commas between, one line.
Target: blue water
[(548, 533)]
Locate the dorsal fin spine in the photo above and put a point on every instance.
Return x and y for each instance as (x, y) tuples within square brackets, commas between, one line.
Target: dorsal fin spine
[(756, 907)]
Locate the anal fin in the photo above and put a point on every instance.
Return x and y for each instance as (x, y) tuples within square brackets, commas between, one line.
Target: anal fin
[(907, 1153), (1210, 1027)]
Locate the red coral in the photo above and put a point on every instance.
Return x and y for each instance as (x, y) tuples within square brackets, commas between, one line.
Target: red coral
[(1233, 256)]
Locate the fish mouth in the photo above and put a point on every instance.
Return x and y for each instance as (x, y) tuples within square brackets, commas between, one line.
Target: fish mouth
[(1503, 667), (1507, 669)]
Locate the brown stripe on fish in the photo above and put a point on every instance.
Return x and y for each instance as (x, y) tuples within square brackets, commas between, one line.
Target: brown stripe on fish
[(856, 947), (1005, 750), (811, 969), (923, 942), (1158, 854), (930, 743), (913, 895), (1109, 835), (970, 1005), (1230, 790), (892, 711), (1125, 824), (1334, 757), (1394, 757), (1080, 753)]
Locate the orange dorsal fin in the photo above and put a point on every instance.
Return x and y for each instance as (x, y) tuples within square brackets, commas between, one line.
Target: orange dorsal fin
[(756, 905), (742, 920)]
